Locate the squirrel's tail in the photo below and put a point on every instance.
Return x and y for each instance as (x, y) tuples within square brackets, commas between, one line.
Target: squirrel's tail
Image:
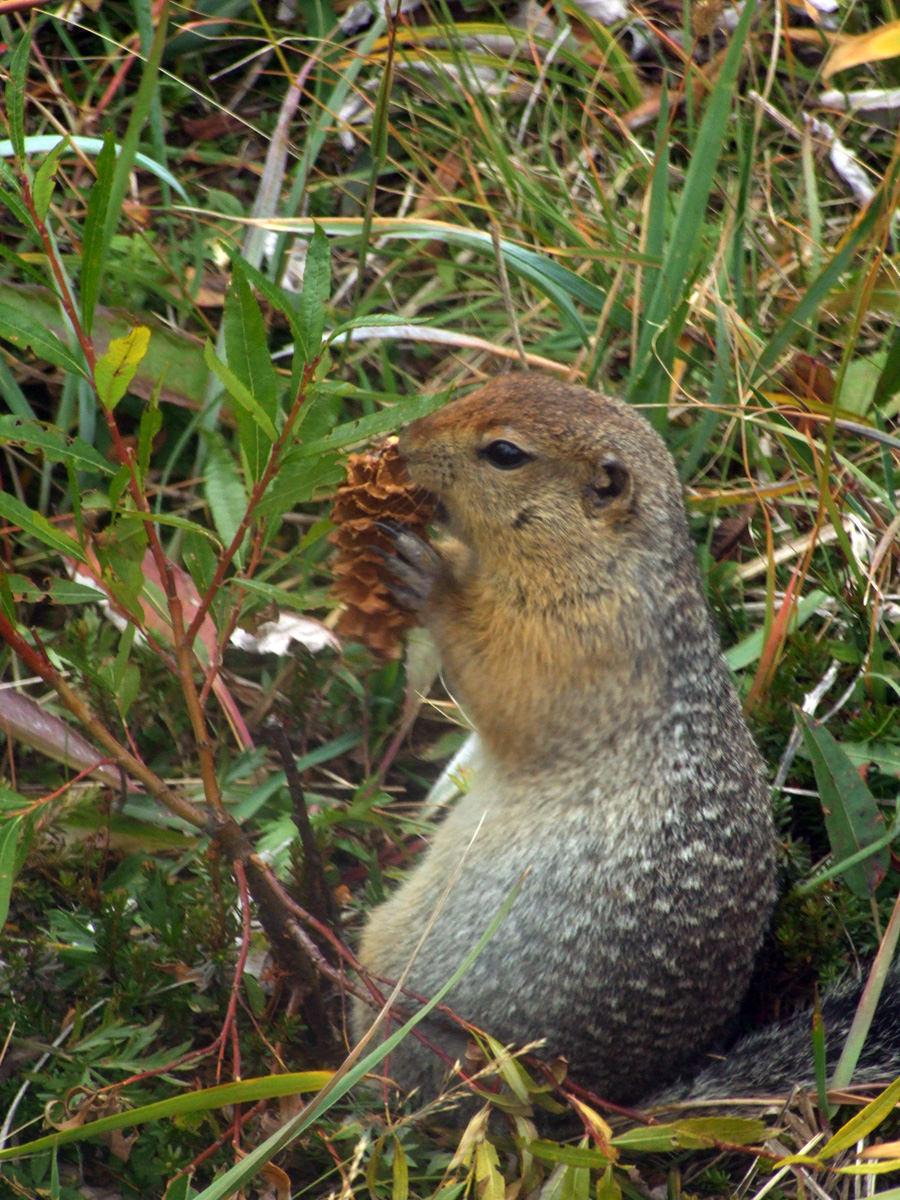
[(773, 1060)]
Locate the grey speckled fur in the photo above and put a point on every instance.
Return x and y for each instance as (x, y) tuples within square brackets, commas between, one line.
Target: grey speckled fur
[(643, 826)]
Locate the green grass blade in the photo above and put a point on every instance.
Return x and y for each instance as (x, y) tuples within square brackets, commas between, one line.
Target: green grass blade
[(687, 229)]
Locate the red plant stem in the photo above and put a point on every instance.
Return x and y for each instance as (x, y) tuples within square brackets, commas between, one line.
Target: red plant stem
[(259, 1107), (256, 496), (228, 1023), (126, 455), (41, 665)]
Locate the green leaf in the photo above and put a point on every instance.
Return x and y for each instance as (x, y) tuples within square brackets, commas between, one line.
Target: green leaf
[(9, 841), (246, 347), (750, 648), (92, 243), (298, 483), (60, 591), (573, 1156), (225, 492), (52, 444), (607, 1187), (15, 94), (116, 369), (852, 817), (17, 207), (311, 313), (862, 1124), (353, 432), (44, 181), (246, 344), (151, 423), (238, 391), (38, 526), (26, 333), (694, 1133)]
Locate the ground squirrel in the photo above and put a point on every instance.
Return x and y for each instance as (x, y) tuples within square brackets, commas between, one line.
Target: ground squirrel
[(617, 769)]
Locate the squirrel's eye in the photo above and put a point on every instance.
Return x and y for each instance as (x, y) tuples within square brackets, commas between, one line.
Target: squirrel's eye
[(505, 455)]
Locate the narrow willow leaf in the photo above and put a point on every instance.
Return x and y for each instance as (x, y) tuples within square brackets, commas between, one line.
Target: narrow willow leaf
[(694, 1133), (249, 361), (224, 489), (238, 391), (54, 445), (26, 333), (361, 430), (17, 207), (15, 95), (44, 180), (863, 1123), (575, 1156), (34, 523), (607, 1187), (400, 1172), (9, 841), (246, 344), (852, 816), (316, 290), (151, 423), (116, 369), (296, 483), (92, 244)]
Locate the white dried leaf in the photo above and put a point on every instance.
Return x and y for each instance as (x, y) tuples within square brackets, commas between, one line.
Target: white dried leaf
[(606, 12), (845, 163), (275, 637), (865, 100)]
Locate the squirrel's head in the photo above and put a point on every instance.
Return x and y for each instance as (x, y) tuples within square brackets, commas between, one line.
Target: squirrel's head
[(544, 465)]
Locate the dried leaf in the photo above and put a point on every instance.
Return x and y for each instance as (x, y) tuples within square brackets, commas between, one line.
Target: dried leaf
[(883, 42)]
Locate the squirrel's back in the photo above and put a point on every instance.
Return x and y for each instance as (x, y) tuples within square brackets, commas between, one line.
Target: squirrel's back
[(619, 781)]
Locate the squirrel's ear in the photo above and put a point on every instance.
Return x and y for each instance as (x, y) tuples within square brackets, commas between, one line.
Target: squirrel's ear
[(611, 483)]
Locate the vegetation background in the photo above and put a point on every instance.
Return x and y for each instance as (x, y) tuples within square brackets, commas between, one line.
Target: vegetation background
[(240, 240)]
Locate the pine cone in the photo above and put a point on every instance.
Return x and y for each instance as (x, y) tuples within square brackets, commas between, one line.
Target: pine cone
[(377, 488)]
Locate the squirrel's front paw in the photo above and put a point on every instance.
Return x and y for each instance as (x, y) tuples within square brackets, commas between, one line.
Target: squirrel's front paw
[(413, 563)]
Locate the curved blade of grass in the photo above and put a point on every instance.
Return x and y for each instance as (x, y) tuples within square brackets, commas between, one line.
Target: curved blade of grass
[(557, 282), (235, 1178), (245, 1091), (43, 143), (868, 1002)]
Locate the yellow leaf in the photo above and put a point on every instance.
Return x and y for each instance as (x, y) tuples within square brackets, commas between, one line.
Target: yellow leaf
[(118, 366), (883, 42)]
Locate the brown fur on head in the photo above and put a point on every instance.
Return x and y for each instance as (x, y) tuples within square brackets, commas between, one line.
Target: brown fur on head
[(568, 543), (528, 467)]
